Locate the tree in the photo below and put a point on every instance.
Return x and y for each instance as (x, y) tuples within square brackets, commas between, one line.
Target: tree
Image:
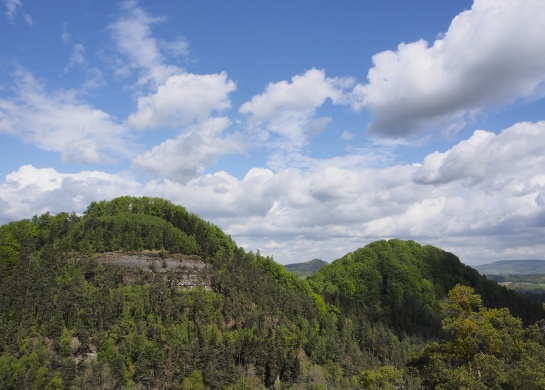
[(9, 249), (484, 348), (193, 382)]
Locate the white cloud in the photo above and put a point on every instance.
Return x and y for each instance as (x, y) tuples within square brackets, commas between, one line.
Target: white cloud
[(308, 91), (29, 191), (491, 55), (327, 212), (132, 35), (285, 114), (356, 158), (483, 199), (58, 122), (93, 80), (176, 48), (487, 157), (11, 8), (347, 136), (186, 156), (77, 57), (182, 99), (493, 211)]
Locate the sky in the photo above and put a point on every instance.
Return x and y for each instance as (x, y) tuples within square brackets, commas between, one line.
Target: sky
[(303, 129)]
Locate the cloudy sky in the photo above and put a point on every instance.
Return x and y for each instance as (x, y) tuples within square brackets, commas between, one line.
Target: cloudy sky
[(305, 129)]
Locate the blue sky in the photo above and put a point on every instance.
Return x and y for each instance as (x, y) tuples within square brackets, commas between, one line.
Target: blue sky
[(302, 129)]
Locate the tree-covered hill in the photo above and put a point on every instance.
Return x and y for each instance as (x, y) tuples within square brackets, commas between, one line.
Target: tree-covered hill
[(305, 269), (402, 283), (59, 304), (138, 293)]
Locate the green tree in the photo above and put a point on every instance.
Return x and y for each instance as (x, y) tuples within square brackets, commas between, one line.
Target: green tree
[(9, 249), (193, 382), (483, 348)]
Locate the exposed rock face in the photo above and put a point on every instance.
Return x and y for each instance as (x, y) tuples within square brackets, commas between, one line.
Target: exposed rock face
[(182, 270)]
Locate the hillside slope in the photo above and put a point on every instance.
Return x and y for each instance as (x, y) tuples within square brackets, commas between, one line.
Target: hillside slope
[(402, 284)]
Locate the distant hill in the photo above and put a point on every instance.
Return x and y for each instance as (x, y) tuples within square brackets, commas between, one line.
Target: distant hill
[(305, 269), (402, 283), (512, 267)]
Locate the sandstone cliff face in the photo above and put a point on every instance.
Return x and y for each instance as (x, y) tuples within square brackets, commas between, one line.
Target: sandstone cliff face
[(181, 270)]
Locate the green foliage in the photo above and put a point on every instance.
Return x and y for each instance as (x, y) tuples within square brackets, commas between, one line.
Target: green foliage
[(202, 237), (402, 283), (193, 382), (69, 321), (485, 348), (383, 378), (9, 249), (130, 232)]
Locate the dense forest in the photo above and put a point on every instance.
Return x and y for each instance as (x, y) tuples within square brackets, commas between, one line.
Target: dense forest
[(393, 314)]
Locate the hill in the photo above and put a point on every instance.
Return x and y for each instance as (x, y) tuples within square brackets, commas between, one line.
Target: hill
[(138, 293), (512, 267), (402, 283), (305, 269)]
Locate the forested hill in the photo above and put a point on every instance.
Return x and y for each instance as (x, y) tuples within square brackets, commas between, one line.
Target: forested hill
[(138, 293), (305, 269), (402, 284)]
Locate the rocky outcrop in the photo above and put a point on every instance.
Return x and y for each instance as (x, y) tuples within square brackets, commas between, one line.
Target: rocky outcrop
[(182, 270)]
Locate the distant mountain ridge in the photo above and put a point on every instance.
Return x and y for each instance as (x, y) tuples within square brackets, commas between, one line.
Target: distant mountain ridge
[(512, 267), (305, 269)]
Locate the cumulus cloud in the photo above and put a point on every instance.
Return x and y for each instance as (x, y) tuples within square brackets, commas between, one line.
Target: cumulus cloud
[(168, 96), (29, 191), (296, 215), (182, 99), (487, 157), (307, 91), (285, 114), (482, 199), (186, 156), (485, 58), (174, 98), (356, 158), (494, 211), (58, 122), (485, 192)]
